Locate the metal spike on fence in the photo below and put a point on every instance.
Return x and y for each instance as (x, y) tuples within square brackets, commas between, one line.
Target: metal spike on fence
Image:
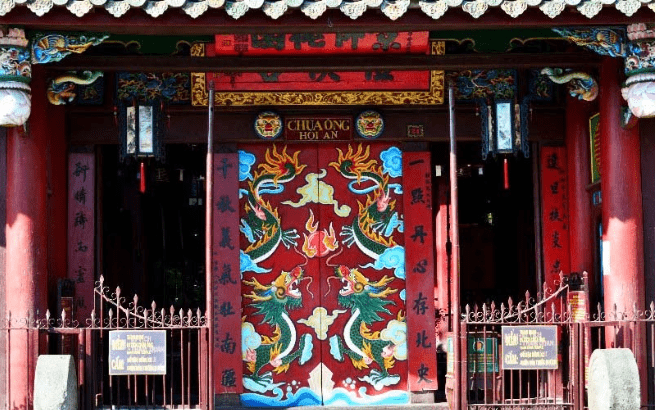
[(527, 297), (63, 318), (510, 303), (48, 317), (614, 311), (651, 310), (101, 280), (598, 310), (484, 311), (198, 316), (153, 306), (553, 312), (135, 300), (163, 320), (636, 315)]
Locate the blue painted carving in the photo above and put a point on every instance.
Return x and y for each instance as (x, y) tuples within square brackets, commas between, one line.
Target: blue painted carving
[(486, 84), (15, 63), (53, 47), (540, 88), (606, 41), (173, 88)]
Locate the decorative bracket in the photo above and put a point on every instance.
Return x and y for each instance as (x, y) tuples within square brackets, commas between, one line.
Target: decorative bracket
[(53, 47), (581, 85), (16, 61), (63, 90), (635, 44)]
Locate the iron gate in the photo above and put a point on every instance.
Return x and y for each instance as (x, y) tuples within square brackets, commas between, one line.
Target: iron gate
[(487, 384)]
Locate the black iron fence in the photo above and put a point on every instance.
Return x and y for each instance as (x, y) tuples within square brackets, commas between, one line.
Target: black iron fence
[(551, 371), (186, 379)]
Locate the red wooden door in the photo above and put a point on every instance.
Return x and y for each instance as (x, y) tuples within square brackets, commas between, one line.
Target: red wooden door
[(323, 275)]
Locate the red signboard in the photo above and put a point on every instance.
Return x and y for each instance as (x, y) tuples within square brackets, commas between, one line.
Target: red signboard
[(327, 81), (321, 43), (419, 271), (318, 128), (226, 284), (81, 231), (555, 219)]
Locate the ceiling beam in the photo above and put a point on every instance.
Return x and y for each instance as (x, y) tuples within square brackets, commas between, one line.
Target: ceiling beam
[(451, 62)]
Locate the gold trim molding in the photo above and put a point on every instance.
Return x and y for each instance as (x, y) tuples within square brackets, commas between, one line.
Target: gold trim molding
[(433, 96)]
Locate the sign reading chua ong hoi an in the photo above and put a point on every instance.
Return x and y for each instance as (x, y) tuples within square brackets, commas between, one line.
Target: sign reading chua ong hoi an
[(332, 128)]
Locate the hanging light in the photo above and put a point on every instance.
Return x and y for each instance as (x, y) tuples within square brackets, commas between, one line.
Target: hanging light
[(504, 127), (504, 130), (140, 133)]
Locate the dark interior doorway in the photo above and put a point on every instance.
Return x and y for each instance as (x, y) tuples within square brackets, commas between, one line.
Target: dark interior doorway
[(497, 231), (153, 243)]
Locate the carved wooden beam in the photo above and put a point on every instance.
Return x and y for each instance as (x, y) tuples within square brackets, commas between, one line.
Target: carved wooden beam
[(453, 62)]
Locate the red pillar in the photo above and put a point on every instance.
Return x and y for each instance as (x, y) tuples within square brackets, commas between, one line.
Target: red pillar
[(621, 206), (26, 274), (581, 229)]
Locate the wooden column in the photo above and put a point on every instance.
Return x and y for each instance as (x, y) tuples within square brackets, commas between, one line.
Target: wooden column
[(26, 233), (621, 196), (577, 142)]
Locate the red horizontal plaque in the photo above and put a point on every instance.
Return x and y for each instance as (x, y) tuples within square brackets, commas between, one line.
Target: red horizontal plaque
[(328, 81), (321, 43), (319, 128)]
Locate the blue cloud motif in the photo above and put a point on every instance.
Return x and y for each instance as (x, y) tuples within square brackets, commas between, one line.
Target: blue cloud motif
[(246, 161), (307, 349), (392, 258), (246, 264), (250, 339), (394, 223), (402, 295), (392, 162), (334, 348)]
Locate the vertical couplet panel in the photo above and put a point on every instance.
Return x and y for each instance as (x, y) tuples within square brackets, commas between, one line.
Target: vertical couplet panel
[(226, 285), (555, 219), (81, 231), (422, 364)]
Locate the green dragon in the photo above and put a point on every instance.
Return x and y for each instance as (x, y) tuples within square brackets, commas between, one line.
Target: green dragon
[(261, 224), (273, 302), (367, 300), (371, 225)]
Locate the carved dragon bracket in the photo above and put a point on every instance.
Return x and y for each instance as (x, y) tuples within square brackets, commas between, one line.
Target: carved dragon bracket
[(18, 54), (635, 44)]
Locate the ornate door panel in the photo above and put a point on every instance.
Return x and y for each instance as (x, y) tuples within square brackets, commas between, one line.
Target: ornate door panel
[(363, 282), (322, 275)]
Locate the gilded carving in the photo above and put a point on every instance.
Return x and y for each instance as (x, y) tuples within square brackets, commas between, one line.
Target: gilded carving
[(198, 50), (434, 94)]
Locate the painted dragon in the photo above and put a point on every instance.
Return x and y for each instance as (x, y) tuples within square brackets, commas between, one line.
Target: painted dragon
[(261, 224), (373, 225), (272, 302), (367, 300)]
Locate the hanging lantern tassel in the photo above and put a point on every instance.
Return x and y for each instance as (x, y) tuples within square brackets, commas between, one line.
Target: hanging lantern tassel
[(506, 177), (142, 178)]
